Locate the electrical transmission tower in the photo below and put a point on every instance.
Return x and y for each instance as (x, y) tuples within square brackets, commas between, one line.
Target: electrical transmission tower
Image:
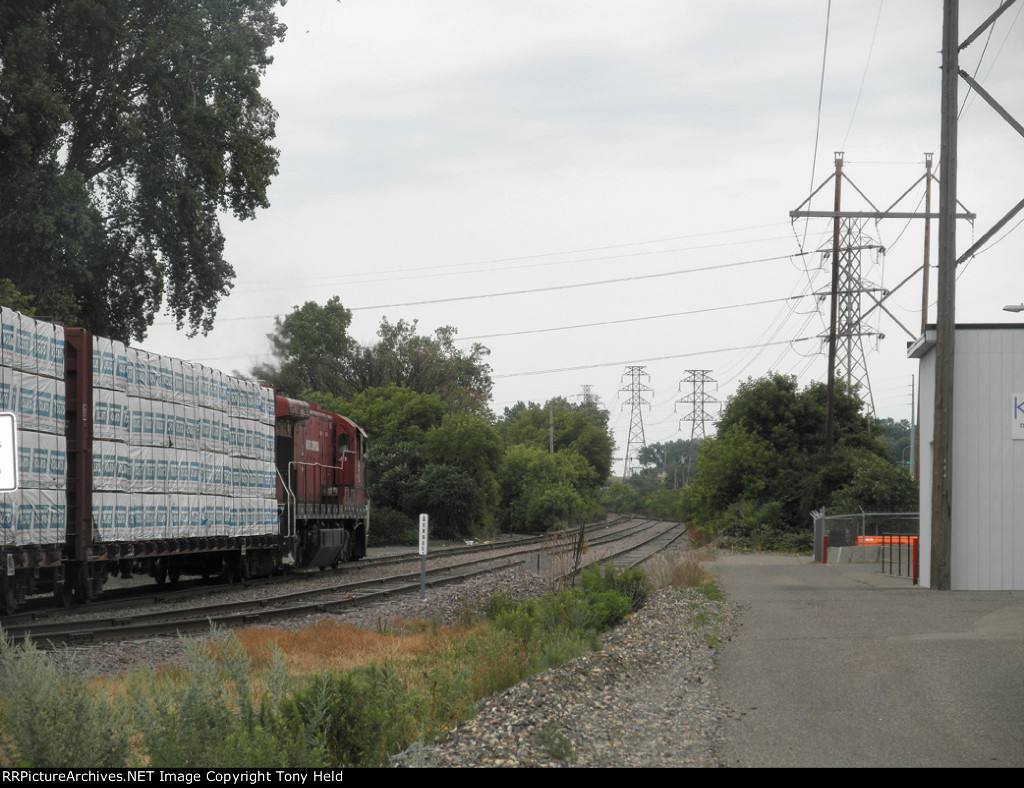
[(699, 400), (587, 396), (636, 389), (850, 359)]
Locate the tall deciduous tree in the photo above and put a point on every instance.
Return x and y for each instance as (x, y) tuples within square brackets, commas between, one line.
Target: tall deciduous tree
[(427, 364), (315, 354), (312, 347), (126, 127), (582, 428), (767, 460)]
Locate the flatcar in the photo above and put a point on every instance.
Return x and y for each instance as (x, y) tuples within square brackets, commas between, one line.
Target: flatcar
[(131, 462)]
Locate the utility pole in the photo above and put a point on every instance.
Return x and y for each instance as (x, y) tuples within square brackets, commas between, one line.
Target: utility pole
[(945, 318), (945, 321), (830, 396), (698, 399), (636, 390), (927, 241)]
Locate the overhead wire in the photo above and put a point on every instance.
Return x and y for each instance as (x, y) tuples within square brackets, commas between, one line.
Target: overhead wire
[(864, 76), (821, 94), (635, 361), (576, 285), (620, 321)]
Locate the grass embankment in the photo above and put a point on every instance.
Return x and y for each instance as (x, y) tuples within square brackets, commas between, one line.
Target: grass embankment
[(328, 695)]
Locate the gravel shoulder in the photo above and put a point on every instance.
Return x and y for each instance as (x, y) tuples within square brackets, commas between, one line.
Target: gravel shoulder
[(649, 698)]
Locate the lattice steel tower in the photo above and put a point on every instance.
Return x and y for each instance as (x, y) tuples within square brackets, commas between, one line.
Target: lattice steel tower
[(851, 363), (588, 396), (699, 400), (636, 390)]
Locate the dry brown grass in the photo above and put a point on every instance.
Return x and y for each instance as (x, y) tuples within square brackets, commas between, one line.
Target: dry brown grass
[(327, 645), (680, 568)]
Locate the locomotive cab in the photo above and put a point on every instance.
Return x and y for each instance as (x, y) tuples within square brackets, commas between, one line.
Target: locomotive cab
[(320, 460)]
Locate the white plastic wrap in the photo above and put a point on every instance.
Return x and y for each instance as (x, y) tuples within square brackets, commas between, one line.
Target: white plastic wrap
[(26, 399), (7, 532), (8, 398), (9, 320), (24, 340)]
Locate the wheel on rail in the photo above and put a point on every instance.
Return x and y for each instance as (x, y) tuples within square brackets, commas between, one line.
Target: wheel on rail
[(83, 584), (62, 592), (8, 597)]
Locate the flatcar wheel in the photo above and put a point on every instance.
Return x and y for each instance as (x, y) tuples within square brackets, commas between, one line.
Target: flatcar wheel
[(8, 599), (174, 575), (159, 572), (62, 593), (83, 584), (232, 571)]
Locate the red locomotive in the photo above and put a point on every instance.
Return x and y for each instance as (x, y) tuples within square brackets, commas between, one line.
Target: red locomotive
[(131, 463)]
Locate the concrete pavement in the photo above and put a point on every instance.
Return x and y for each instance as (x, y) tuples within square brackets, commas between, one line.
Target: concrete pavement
[(839, 665)]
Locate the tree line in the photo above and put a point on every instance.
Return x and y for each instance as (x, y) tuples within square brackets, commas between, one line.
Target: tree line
[(435, 446), (765, 470)]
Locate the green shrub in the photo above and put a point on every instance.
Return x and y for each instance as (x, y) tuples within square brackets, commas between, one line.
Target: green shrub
[(360, 717), (633, 583), (209, 715), (51, 717), (391, 527)]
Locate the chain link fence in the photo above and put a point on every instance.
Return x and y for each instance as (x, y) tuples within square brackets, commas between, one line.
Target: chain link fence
[(896, 532)]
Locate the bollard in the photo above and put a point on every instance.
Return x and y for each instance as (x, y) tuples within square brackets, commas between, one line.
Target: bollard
[(824, 549)]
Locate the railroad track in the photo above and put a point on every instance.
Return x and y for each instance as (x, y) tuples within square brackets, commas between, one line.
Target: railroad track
[(625, 542)]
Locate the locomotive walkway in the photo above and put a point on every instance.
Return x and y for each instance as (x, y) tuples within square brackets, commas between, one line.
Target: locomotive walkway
[(840, 665)]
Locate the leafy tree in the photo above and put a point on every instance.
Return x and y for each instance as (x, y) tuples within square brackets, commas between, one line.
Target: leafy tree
[(766, 467), (539, 490), (896, 437), (389, 414), (126, 128), (421, 459), (429, 365), (311, 345), (670, 460), (471, 445), (13, 299), (876, 486), (581, 428), (315, 353)]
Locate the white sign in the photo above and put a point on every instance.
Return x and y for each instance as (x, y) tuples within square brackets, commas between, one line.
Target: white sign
[(424, 521), (1017, 418), (8, 452)]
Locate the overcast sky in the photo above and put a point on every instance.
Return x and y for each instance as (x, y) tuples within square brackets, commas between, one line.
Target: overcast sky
[(633, 166)]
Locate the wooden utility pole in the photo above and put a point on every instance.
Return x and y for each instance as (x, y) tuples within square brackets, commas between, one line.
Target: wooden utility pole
[(830, 396), (927, 240), (945, 317)]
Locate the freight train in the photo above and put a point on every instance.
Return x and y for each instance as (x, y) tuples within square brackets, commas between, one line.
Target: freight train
[(130, 462)]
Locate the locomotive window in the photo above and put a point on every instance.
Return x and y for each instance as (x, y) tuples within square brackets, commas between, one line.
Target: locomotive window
[(342, 446)]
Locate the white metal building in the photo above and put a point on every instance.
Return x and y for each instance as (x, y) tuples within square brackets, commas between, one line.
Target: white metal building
[(987, 536)]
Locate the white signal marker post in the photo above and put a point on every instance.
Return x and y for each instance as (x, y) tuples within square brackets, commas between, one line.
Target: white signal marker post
[(424, 527), (8, 452)]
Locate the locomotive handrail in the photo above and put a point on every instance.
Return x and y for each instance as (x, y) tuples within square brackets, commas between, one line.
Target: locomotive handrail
[(289, 515)]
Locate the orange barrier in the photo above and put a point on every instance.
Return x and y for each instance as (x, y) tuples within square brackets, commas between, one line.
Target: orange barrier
[(884, 540)]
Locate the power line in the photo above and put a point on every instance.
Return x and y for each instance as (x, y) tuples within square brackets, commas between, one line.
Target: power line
[(539, 255), (648, 360), (625, 320), (576, 285)]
